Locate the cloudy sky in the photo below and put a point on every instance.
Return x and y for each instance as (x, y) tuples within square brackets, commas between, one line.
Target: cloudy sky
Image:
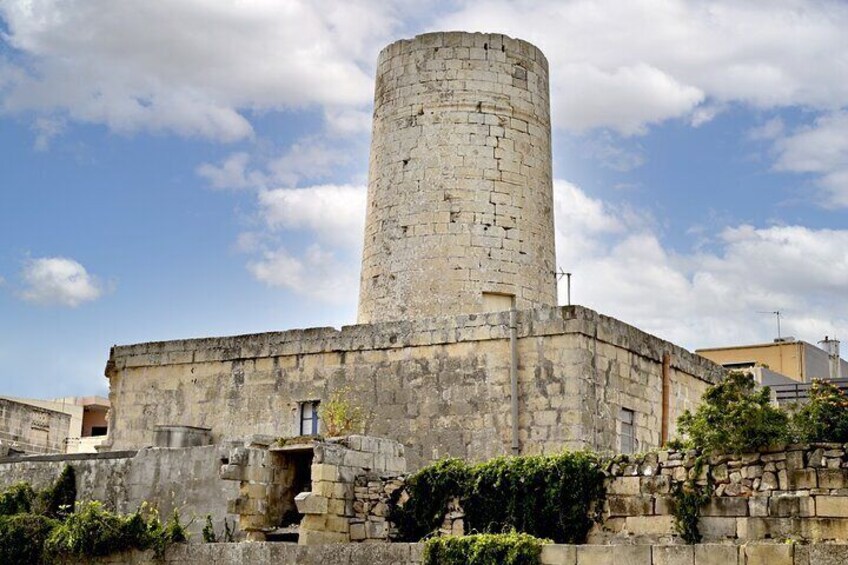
[(193, 168)]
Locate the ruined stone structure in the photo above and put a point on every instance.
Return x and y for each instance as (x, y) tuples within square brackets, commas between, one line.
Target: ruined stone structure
[(460, 203)]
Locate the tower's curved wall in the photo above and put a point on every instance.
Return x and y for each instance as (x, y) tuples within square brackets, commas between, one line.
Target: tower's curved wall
[(460, 209)]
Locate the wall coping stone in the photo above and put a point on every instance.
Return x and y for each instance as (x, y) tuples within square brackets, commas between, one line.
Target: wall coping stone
[(127, 454)]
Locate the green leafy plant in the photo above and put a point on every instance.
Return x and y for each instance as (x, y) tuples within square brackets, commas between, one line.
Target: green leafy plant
[(22, 538), (734, 417), (548, 496), (824, 417), (484, 549), (688, 498), (340, 415), (58, 500), (17, 499)]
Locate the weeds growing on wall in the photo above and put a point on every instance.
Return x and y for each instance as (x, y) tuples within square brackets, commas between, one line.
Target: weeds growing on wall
[(48, 527), (547, 496), (688, 498), (484, 549)]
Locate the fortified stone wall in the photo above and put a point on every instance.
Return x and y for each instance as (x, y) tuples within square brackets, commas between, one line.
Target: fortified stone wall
[(185, 479), (439, 386), (31, 429), (460, 200)]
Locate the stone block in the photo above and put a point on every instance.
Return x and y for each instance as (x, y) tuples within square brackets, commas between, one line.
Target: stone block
[(726, 506), (826, 554), (613, 554), (791, 506), (310, 503), (625, 486), (649, 525), (558, 554), (769, 554), (715, 528), (312, 537), (325, 472), (357, 532), (630, 505), (716, 554), (673, 555), (832, 506), (824, 529), (832, 478), (803, 479), (758, 506)]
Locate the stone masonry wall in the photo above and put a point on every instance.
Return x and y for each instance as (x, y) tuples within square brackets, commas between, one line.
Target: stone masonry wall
[(31, 429), (796, 493), (439, 386), (185, 479), (460, 200), (411, 554)]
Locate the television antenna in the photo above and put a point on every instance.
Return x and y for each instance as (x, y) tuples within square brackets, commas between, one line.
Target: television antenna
[(559, 274), (776, 314)]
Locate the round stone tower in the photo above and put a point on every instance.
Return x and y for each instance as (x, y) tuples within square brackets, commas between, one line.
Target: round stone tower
[(459, 216)]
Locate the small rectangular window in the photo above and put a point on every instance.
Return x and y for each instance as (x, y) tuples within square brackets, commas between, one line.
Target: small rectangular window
[(628, 431), (97, 431), (309, 418)]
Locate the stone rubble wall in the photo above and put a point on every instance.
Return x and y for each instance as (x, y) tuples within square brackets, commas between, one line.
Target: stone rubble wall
[(460, 198), (411, 554), (799, 492), (440, 386)]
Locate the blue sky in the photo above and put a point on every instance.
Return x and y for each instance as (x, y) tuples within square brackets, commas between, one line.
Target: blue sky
[(190, 169)]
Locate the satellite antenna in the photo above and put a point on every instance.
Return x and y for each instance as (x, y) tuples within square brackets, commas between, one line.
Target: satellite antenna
[(559, 274), (776, 314)]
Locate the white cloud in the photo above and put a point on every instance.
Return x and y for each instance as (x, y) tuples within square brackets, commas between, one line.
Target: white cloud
[(622, 268), (231, 173), (334, 213), (308, 159), (318, 274), (626, 65), (58, 281), (820, 149), (190, 67)]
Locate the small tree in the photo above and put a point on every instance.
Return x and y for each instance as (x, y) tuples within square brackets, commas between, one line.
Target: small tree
[(734, 417), (340, 415), (824, 417)]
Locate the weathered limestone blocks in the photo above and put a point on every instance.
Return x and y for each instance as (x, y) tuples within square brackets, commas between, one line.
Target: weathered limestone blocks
[(352, 480), (798, 492), (460, 200)]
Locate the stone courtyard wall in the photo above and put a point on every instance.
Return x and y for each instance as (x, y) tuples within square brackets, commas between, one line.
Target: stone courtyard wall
[(185, 479), (439, 386)]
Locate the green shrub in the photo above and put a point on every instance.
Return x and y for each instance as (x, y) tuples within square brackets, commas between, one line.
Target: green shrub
[(734, 417), (824, 417), (22, 538), (484, 549), (92, 531), (548, 496), (58, 500), (17, 499), (209, 531)]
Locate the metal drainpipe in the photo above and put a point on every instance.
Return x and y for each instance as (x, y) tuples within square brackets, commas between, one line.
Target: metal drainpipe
[(666, 392), (513, 375)]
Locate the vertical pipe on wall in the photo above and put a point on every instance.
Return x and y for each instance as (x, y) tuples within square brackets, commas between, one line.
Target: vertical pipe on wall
[(513, 375), (666, 390)]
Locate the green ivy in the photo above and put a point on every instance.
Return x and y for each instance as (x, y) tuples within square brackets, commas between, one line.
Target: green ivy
[(547, 496), (484, 549), (58, 500)]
